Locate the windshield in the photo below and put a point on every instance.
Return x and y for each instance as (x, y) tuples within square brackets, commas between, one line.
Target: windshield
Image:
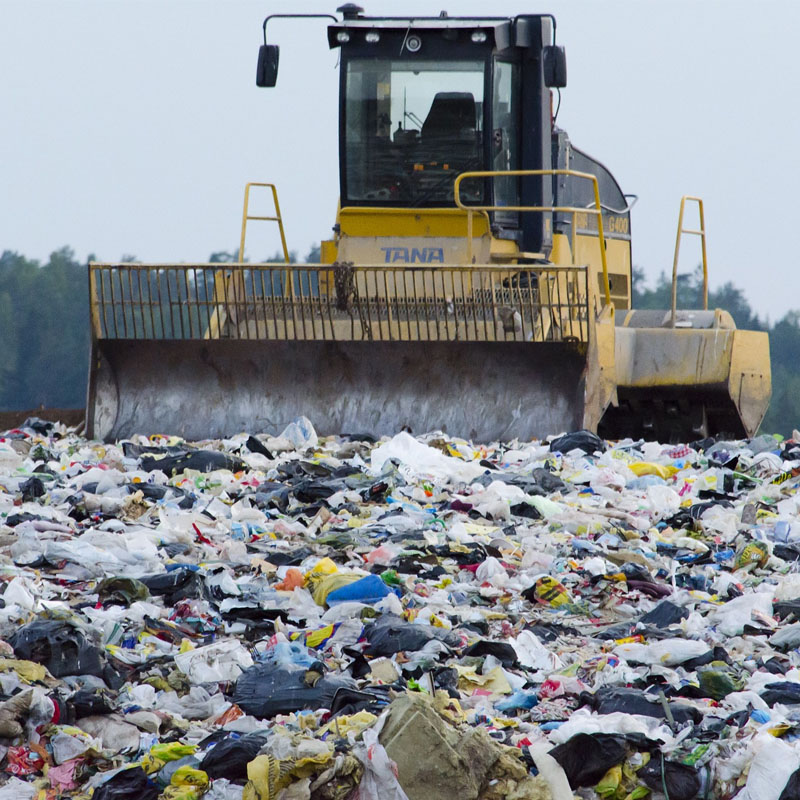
[(410, 127)]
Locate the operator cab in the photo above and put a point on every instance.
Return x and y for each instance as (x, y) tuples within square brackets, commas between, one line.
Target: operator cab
[(425, 99)]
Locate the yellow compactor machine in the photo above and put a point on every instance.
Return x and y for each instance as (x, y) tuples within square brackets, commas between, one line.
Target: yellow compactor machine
[(478, 280)]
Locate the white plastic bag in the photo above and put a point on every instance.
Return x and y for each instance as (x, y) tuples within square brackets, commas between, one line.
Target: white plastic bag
[(221, 661), (735, 614), (424, 460), (668, 652), (300, 433), (773, 763), (379, 781)]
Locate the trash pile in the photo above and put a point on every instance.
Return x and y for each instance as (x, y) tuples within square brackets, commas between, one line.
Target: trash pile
[(311, 618)]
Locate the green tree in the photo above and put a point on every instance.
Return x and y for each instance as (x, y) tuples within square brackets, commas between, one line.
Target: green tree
[(44, 319)]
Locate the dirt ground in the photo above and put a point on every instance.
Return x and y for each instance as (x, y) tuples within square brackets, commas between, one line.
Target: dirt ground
[(69, 416)]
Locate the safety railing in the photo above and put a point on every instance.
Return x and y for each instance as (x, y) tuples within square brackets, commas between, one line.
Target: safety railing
[(247, 216), (701, 232), (597, 211), (339, 302)]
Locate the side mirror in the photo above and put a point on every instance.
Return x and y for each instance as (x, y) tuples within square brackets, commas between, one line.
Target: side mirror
[(554, 61), (267, 72)]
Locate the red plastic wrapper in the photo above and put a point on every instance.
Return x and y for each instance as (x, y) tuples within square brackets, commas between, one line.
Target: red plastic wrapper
[(22, 761)]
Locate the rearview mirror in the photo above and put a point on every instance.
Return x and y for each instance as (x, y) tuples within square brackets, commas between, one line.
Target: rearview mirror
[(267, 72), (554, 61)]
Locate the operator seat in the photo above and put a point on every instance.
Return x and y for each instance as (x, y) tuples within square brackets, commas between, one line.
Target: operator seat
[(451, 117)]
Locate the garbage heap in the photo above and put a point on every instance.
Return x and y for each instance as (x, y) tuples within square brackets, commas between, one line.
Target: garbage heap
[(311, 618)]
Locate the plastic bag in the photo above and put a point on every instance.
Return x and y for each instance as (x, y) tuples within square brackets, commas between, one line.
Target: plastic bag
[(177, 584), (265, 690), (214, 663), (664, 615), (420, 459), (613, 699), (736, 614), (669, 652), (16, 789), (129, 784), (379, 781), (229, 757), (682, 781), (198, 460), (586, 757), (300, 433), (369, 589), (391, 634), (502, 651), (578, 440), (774, 762), (784, 692), (60, 647)]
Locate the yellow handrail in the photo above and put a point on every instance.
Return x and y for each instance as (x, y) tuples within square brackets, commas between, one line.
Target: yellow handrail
[(277, 218), (597, 210), (232, 280), (702, 234)]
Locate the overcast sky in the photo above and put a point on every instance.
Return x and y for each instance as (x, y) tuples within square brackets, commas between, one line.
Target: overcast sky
[(131, 126)]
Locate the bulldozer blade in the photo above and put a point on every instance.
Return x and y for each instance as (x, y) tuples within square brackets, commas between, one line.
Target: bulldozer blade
[(485, 391)]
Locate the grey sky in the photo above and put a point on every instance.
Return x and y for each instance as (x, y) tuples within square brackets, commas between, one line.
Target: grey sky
[(131, 127)]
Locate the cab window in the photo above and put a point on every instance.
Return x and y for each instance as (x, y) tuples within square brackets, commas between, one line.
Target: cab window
[(410, 127)]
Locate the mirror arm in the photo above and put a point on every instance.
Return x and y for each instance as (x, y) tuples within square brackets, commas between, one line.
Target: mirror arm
[(294, 16)]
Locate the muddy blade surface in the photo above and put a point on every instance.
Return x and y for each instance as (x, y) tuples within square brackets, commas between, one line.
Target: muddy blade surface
[(484, 391)]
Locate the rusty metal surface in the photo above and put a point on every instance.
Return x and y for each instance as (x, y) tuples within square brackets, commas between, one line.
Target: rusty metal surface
[(482, 390)]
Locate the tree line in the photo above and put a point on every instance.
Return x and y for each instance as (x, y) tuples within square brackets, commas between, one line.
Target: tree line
[(44, 328)]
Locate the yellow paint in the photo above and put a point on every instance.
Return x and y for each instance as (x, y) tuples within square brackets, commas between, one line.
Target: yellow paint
[(327, 251), (410, 222)]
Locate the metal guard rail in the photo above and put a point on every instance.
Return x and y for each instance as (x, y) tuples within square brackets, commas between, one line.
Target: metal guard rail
[(339, 302), (701, 232), (597, 211)]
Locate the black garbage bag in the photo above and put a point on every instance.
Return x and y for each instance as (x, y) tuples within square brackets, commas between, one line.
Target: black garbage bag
[(254, 446), (130, 784), (586, 757), (788, 552), (178, 584), (311, 491), (785, 692), (351, 701), (550, 631), (131, 450), (31, 489), (610, 699), (88, 702), (230, 756), (776, 666), (548, 480), (391, 634), (682, 782), (578, 440), (500, 650), (792, 789), (525, 510), (717, 654), (291, 558), (154, 491), (60, 647), (40, 426), (265, 690), (782, 609), (200, 460), (665, 614)]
